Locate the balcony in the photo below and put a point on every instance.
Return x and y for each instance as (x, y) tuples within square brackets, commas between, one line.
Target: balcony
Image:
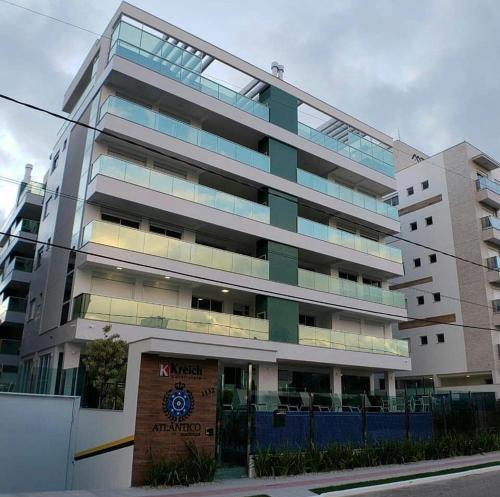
[(493, 273), (16, 274), (346, 288), (488, 192), (161, 56), (12, 310), (331, 339), (348, 240), (113, 310), (496, 312), (171, 185), (9, 347), (357, 149), (115, 235), (341, 192), (33, 187), (177, 129), (491, 230)]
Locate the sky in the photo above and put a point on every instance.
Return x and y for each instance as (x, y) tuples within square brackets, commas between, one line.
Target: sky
[(426, 71)]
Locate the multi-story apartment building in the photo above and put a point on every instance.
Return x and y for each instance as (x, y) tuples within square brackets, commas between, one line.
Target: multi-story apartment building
[(448, 205), (214, 222), (16, 266)]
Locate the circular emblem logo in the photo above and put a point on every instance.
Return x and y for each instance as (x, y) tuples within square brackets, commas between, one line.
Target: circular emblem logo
[(178, 403)]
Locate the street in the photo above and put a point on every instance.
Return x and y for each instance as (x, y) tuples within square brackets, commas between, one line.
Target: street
[(479, 485)]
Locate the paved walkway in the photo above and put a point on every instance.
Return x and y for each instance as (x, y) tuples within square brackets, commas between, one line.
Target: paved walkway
[(294, 486)]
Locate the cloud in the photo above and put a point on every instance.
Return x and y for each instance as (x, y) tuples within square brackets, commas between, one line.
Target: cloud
[(426, 70)]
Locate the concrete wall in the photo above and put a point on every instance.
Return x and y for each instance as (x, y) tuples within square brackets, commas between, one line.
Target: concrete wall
[(37, 440)]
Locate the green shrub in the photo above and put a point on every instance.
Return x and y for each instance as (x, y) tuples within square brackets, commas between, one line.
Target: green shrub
[(283, 462), (195, 467)]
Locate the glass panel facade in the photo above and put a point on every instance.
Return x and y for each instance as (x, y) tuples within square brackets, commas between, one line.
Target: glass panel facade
[(322, 337), (182, 131), (152, 315), (119, 236), (171, 185), (357, 149), (341, 192), (345, 239), (161, 56)]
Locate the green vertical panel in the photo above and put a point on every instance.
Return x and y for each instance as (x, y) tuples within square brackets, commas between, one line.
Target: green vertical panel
[(283, 210), (283, 316), (283, 261), (283, 158), (282, 108)]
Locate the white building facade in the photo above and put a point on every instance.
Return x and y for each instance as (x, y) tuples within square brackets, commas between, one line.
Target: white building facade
[(214, 222)]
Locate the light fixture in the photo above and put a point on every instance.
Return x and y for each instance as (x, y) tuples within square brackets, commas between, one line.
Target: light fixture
[(467, 375), (167, 277), (119, 268), (225, 290), (199, 298)]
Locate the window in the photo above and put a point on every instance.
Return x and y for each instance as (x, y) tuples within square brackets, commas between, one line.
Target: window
[(425, 184), (416, 262), (46, 207), (394, 201), (410, 191), (39, 255), (413, 226), (32, 310), (423, 340), (381, 383), (348, 276), (307, 320), (437, 297), (55, 162), (440, 337), (120, 220), (49, 241), (56, 194), (428, 221), (65, 143), (432, 258), (206, 304), (164, 231), (241, 309), (420, 300), (368, 281)]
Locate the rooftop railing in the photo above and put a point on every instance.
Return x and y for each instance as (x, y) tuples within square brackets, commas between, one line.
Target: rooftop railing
[(143, 116), (171, 185), (113, 310), (357, 149), (338, 286), (323, 337), (346, 194), (348, 240), (115, 235)]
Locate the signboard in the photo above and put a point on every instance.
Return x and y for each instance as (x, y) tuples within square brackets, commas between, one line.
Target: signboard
[(176, 404)]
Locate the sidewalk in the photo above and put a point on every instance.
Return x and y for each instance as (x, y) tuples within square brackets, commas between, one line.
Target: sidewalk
[(293, 486)]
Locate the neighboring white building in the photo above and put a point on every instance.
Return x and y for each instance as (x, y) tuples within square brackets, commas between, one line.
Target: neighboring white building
[(235, 232), (449, 202)]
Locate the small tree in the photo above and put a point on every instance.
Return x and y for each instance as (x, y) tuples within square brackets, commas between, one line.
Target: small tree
[(106, 364)]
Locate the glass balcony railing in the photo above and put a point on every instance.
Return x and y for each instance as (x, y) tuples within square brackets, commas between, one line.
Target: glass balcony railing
[(496, 305), (115, 235), (152, 315), (341, 192), (33, 187), (490, 222), (348, 240), (188, 77), (493, 263), (357, 149), (10, 347), (18, 264), (171, 185), (485, 183), (14, 304), (346, 288), (322, 337), (26, 226), (182, 131)]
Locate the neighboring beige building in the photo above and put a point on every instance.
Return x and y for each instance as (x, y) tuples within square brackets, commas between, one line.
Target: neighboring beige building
[(448, 203)]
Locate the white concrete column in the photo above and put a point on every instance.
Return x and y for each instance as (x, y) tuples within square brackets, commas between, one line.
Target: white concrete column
[(185, 296), (267, 377), (437, 381), (71, 355), (189, 236), (336, 381), (372, 384), (390, 383)]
